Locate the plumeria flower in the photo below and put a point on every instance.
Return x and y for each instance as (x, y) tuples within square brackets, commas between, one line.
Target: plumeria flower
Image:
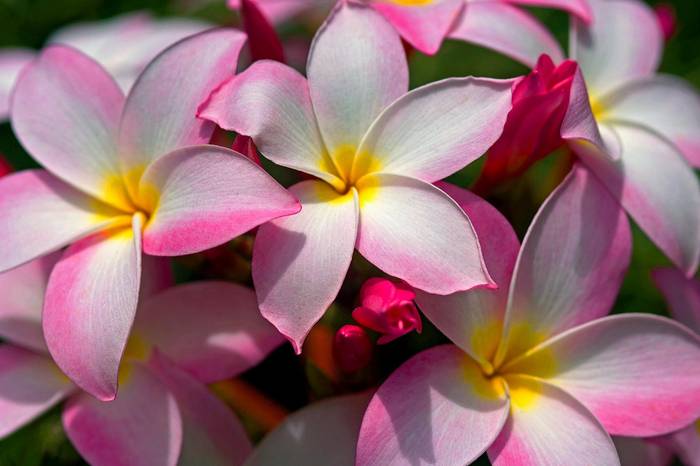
[(184, 338), (375, 150), (320, 434), (123, 46), (537, 374), (683, 297), (386, 306), (124, 176)]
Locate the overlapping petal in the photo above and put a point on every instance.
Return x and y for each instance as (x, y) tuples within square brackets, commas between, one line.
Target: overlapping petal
[(580, 8), (203, 196), (300, 261), (473, 319), (436, 408), (40, 214), (437, 129), (682, 295), (571, 265), (90, 306), (506, 29), (211, 329), (71, 128), (12, 61), (620, 368), (634, 451), (414, 231)]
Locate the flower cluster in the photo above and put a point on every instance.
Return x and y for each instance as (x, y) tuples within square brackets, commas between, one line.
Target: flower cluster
[(153, 266)]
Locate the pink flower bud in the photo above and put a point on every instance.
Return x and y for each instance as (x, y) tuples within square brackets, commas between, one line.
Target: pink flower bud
[(5, 167), (531, 131), (387, 307), (352, 348), (666, 14)]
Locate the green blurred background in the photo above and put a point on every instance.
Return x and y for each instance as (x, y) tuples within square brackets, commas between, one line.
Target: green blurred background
[(27, 23)]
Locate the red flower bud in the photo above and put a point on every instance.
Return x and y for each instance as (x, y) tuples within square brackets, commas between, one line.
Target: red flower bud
[(666, 14), (352, 348)]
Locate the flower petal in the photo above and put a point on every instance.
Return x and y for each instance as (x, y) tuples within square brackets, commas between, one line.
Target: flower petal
[(579, 126), (414, 231), (436, 130), (211, 329), (303, 437), (682, 295), (21, 300), (90, 305), (357, 66), (634, 451), (657, 187), (270, 102), (30, 384), (424, 26), (548, 427), (570, 268), (211, 433), (436, 408), (624, 41), (685, 444), (65, 112), (473, 319), (141, 427), (160, 111), (300, 261), (12, 61), (508, 30), (580, 8), (665, 104), (601, 363), (203, 196), (40, 214)]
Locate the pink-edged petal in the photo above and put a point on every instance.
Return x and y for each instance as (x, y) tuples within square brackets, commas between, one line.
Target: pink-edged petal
[(90, 306), (685, 444), (141, 427), (657, 187), (682, 295), (506, 29), (211, 433), (304, 437), (300, 261), (30, 384), (663, 103), (423, 26), (571, 265), (638, 373), (548, 427), (12, 61), (579, 125), (211, 329), (357, 66), (65, 112), (160, 111), (473, 319), (203, 196), (125, 44), (634, 451), (580, 8), (414, 231), (622, 42), (436, 408), (40, 214), (270, 102), (437, 129), (21, 300)]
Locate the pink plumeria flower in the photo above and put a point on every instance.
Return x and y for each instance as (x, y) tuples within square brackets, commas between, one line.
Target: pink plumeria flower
[(375, 150), (683, 297), (124, 176), (538, 375), (123, 46), (632, 127), (184, 338), (321, 434), (386, 306)]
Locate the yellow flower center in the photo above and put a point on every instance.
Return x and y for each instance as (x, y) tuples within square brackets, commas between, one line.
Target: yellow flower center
[(351, 170), (124, 192)]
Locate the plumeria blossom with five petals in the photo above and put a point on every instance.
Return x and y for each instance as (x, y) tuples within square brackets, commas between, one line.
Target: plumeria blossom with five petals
[(123, 176), (184, 338), (538, 375), (123, 46), (375, 149)]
